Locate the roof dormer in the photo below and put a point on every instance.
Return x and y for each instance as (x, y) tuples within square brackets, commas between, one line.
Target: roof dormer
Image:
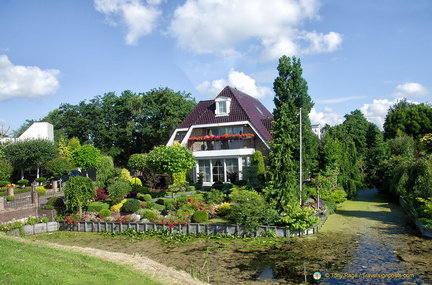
[(223, 105)]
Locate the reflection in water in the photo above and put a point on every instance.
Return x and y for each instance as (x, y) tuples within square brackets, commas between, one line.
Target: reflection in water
[(374, 263)]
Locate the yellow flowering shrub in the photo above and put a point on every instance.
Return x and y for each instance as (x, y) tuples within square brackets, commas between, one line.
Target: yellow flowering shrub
[(117, 207)]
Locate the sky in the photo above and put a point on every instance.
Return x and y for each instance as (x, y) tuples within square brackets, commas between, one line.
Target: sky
[(362, 55)]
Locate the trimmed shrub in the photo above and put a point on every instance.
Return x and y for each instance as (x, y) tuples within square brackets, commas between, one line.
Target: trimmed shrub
[(97, 206), (147, 197), (22, 182), (200, 217), (56, 202), (42, 191), (131, 206), (104, 213), (136, 182), (4, 183), (40, 180), (10, 198)]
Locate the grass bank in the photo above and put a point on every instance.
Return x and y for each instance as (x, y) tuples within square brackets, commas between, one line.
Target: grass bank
[(24, 262)]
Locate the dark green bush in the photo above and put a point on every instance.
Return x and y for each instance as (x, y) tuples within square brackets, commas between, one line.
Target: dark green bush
[(97, 206), (142, 189), (104, 213), (131, 206), (200, 217), (57, 203), (4, 183), (218, 185), (226, 188), (214, 197)]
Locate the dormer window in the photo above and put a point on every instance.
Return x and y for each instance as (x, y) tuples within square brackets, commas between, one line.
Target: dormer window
[(223, 105)]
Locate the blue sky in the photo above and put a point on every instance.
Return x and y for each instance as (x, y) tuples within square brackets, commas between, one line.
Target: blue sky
[(355, 54)]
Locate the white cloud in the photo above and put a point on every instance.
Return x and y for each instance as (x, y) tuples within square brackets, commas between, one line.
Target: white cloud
[(204, 26), (377, 111), (329, 116), (26, 81), (238, 80), (139, 18), (410, 90)]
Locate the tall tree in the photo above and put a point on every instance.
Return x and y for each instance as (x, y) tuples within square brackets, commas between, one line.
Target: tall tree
[(291, 96), (414, 120), (162, 110)]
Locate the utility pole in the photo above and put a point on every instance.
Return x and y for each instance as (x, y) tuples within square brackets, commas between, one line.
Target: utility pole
[(301, 158)]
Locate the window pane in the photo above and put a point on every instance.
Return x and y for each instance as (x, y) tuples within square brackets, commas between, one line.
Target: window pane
[(204, 168)]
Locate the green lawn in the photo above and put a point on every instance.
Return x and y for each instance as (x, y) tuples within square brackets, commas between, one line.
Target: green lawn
[(23, 263)]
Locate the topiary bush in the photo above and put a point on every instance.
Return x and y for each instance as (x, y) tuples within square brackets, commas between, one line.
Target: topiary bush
[(22, 182), (4, 183), (40, 179), (97, 206), (10, 198), (41, 190), (200, 217), (104, 213), (131, 206)]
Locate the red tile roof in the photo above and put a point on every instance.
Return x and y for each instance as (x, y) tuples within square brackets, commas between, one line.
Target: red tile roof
[(243, 108)]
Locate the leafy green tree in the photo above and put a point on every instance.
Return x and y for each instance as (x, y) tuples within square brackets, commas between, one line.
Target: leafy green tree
[(162, 111), (105, 171), (414, 120), (290, 97), (86, 157), (170, 159), (30, 154), (78, 193), (6, 170), (122, 125), (58, 167)]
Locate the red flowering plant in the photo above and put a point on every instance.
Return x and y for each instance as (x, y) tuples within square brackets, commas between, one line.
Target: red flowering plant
[(226, 137), (72, 219)]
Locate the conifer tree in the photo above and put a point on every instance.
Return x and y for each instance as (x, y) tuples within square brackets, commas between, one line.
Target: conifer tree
[(291, 94)]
